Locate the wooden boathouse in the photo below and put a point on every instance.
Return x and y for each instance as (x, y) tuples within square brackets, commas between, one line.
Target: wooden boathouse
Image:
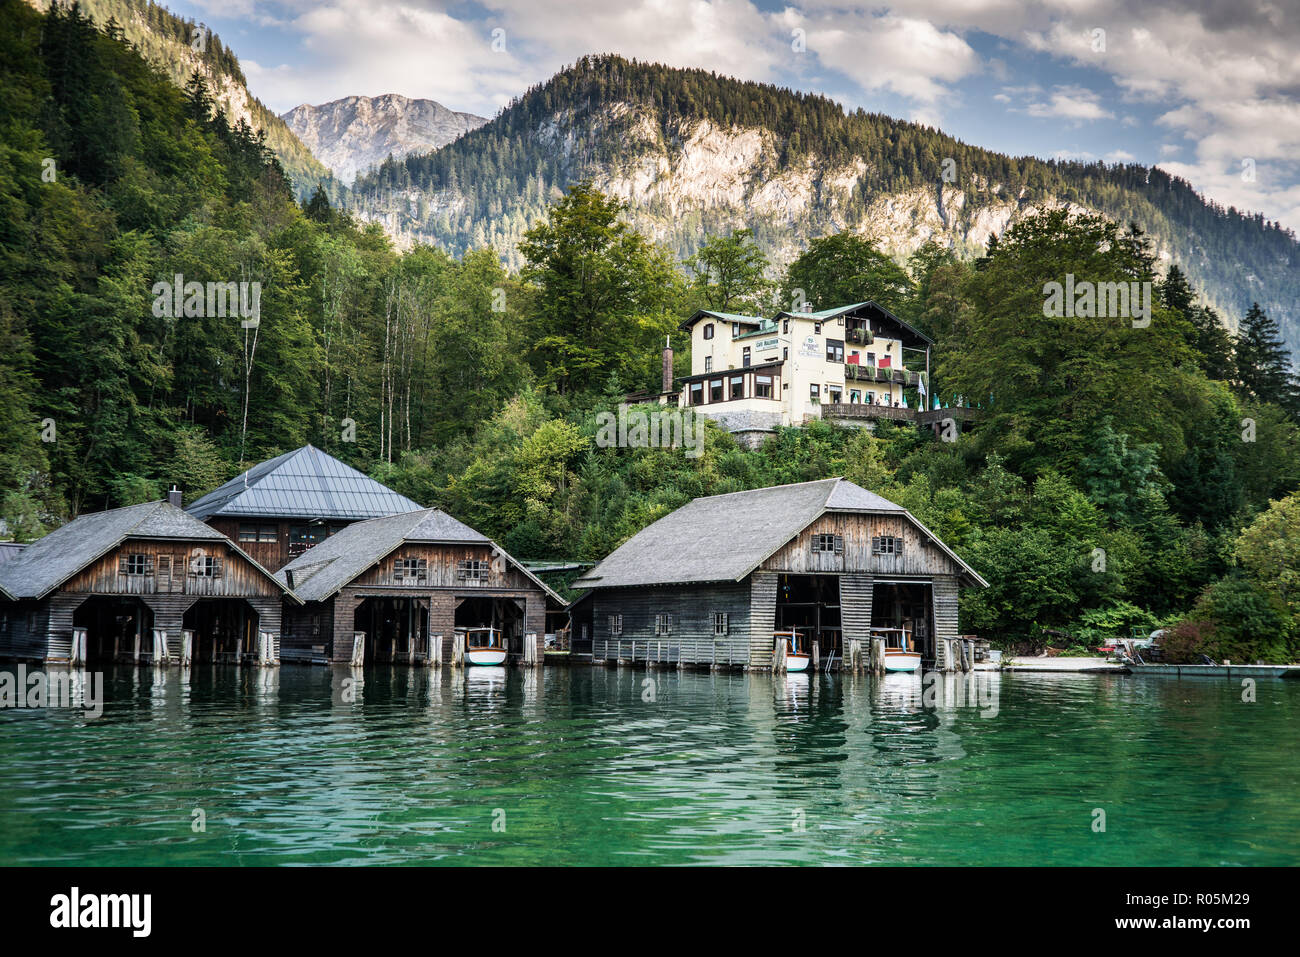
[(396, 589), (279, 508), (142, 583), (709, 584)]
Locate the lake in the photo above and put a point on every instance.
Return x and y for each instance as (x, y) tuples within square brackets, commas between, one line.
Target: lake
[(305, 765)]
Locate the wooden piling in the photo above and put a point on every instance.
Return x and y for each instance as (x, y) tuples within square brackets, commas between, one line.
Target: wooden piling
[(877, 656), (80, 643), (187, 647), (358, 649), (158, 647), (433, 657), (778, 655), (816, 655), (458, 650)]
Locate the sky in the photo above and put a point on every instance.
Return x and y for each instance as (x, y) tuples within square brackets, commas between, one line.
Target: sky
[(1205, 89)]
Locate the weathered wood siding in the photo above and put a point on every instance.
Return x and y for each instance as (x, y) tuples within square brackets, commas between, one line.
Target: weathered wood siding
[(855, 608), (24, 629), (173, 570), (919, 556), (762, 618), (307, 633), (442, 569), (944, 592), (692, 609), (270, 555)]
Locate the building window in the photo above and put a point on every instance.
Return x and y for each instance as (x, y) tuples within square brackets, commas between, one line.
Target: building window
[(855, 397), (708, 363), (744, 357), (737, 386), (785, 352), (615, 625), (763, 386), (815, 392), (871, 358), (411, 569), (785, 327), (834, 350), (817, 328), (138, 565), (472, 571), (715, 390), (886, 545), (252, 532), (663, 624), (205, 566), (828, 544), (708, 330), (834, 394), (721, 622), (697, 393)]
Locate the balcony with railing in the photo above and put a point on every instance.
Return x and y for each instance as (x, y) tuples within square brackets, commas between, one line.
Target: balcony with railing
[(893, 376)]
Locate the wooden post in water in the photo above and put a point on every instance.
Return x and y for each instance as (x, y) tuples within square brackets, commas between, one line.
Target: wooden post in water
[(778, 655), (187, 647), (877, 656), (239, 650), (158, 652), (433, 658), (358, 649), (530, 650), (80, 643), (816, 656), (458, 650)]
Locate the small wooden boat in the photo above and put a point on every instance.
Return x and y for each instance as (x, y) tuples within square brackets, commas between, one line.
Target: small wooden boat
[(796, 652), (899, 655), (484, 646)]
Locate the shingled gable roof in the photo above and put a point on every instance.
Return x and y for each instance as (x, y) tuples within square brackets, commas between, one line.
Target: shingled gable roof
[(726, 537), (827, 314), (323, 569), (48, 562), (722, 317), (305, 483)]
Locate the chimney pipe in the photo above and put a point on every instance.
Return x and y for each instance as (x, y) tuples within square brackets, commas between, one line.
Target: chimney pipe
[(668, 364), (174, 495)]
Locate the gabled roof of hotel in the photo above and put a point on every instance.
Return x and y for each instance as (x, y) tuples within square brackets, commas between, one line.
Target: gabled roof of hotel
[(47, 563), (726, 537), (723, 316), (825, 314), (305, 483), (323, 569)]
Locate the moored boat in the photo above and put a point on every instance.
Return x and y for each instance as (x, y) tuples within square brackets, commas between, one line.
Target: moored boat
[(899, 654), (484, 646), (796, 652)]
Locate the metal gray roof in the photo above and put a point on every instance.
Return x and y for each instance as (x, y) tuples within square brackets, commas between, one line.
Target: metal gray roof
[(50, 561), (305, 483), (725, 537), (323, 569)]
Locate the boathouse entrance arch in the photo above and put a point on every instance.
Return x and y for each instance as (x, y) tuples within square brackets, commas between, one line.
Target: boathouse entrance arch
[(394, 626), (114, 623), (810, 604), (907, 604), (224, 629), (504, 613)]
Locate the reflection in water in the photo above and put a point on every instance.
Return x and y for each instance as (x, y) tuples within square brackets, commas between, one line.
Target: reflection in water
[(596, 766)]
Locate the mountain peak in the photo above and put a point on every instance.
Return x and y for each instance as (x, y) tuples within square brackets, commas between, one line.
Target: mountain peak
[(353, 133)]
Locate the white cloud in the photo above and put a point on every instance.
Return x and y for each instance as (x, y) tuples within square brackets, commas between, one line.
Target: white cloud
[(1071, 103)]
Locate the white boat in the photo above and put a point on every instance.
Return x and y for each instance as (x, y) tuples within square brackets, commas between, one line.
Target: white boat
[(899, 655), (796, 653), (484, 646)]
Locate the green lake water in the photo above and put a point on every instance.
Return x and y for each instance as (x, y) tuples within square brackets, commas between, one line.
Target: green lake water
[(576, 766)]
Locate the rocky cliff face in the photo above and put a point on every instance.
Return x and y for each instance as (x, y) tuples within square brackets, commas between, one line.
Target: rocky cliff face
[(706, 178), (352, 134)]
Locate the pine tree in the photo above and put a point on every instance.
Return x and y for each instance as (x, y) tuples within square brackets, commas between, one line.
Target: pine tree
[(1263, 362)]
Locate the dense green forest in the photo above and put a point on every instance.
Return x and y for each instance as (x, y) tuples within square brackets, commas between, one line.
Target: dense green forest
[(1120, 475), (177, 47), (491, 185)]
